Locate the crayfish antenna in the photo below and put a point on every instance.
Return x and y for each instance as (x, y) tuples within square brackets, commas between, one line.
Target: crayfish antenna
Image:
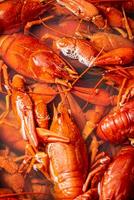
[(55, 31), (7, 86), (36, 22), (77, 28), (71, 104), (120, 92), (83, 34), (121, 31), (55, 112), (129, 31), (92, 62), (63, 95), (5, 196)]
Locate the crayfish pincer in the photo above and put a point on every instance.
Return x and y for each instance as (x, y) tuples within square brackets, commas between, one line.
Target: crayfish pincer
[(30, 58)]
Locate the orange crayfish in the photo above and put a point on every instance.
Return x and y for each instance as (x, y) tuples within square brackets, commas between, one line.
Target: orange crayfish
[(106, 52), (68, 169), (29, 107), (84, 10), (102, 16), (30, 111), (17, 15), (84, 51), (118, 180), (29, 57)]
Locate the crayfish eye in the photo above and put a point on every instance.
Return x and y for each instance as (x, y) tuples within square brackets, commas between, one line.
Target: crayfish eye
[(61, 43), (42, 1), (69, 112), (59, 115), (59, 118)]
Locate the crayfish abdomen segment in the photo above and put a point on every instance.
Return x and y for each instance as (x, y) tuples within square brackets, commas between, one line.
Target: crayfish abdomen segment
[(69, 188), (67, 170), (118, 126)]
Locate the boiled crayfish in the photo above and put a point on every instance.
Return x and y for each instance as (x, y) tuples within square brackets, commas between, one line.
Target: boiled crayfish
[(17, 15)]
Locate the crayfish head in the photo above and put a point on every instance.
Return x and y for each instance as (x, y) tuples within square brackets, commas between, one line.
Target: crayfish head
[(62, 122), (67, 46), (61, 113), (65, 42)]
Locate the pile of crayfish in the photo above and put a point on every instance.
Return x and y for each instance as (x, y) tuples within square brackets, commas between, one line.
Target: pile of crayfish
[(67, 99)]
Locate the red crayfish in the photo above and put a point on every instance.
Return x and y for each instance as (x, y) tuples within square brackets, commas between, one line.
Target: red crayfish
[(17, 15), (29, 57), (118, 180), (118, 126), (68, 170)]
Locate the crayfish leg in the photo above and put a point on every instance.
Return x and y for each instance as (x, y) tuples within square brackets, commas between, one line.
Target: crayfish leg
[(120, 92), (6, 83), (100, 22), (127, 95), (93, 116), (29, 157), (36, 22), (121, 31), (39, 161), (90, 194), (70, 103), (1, 64), (94, 147), (129, 31), (43, 163), (49, 136), (98, 167), (49, 36), (63, 82)]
